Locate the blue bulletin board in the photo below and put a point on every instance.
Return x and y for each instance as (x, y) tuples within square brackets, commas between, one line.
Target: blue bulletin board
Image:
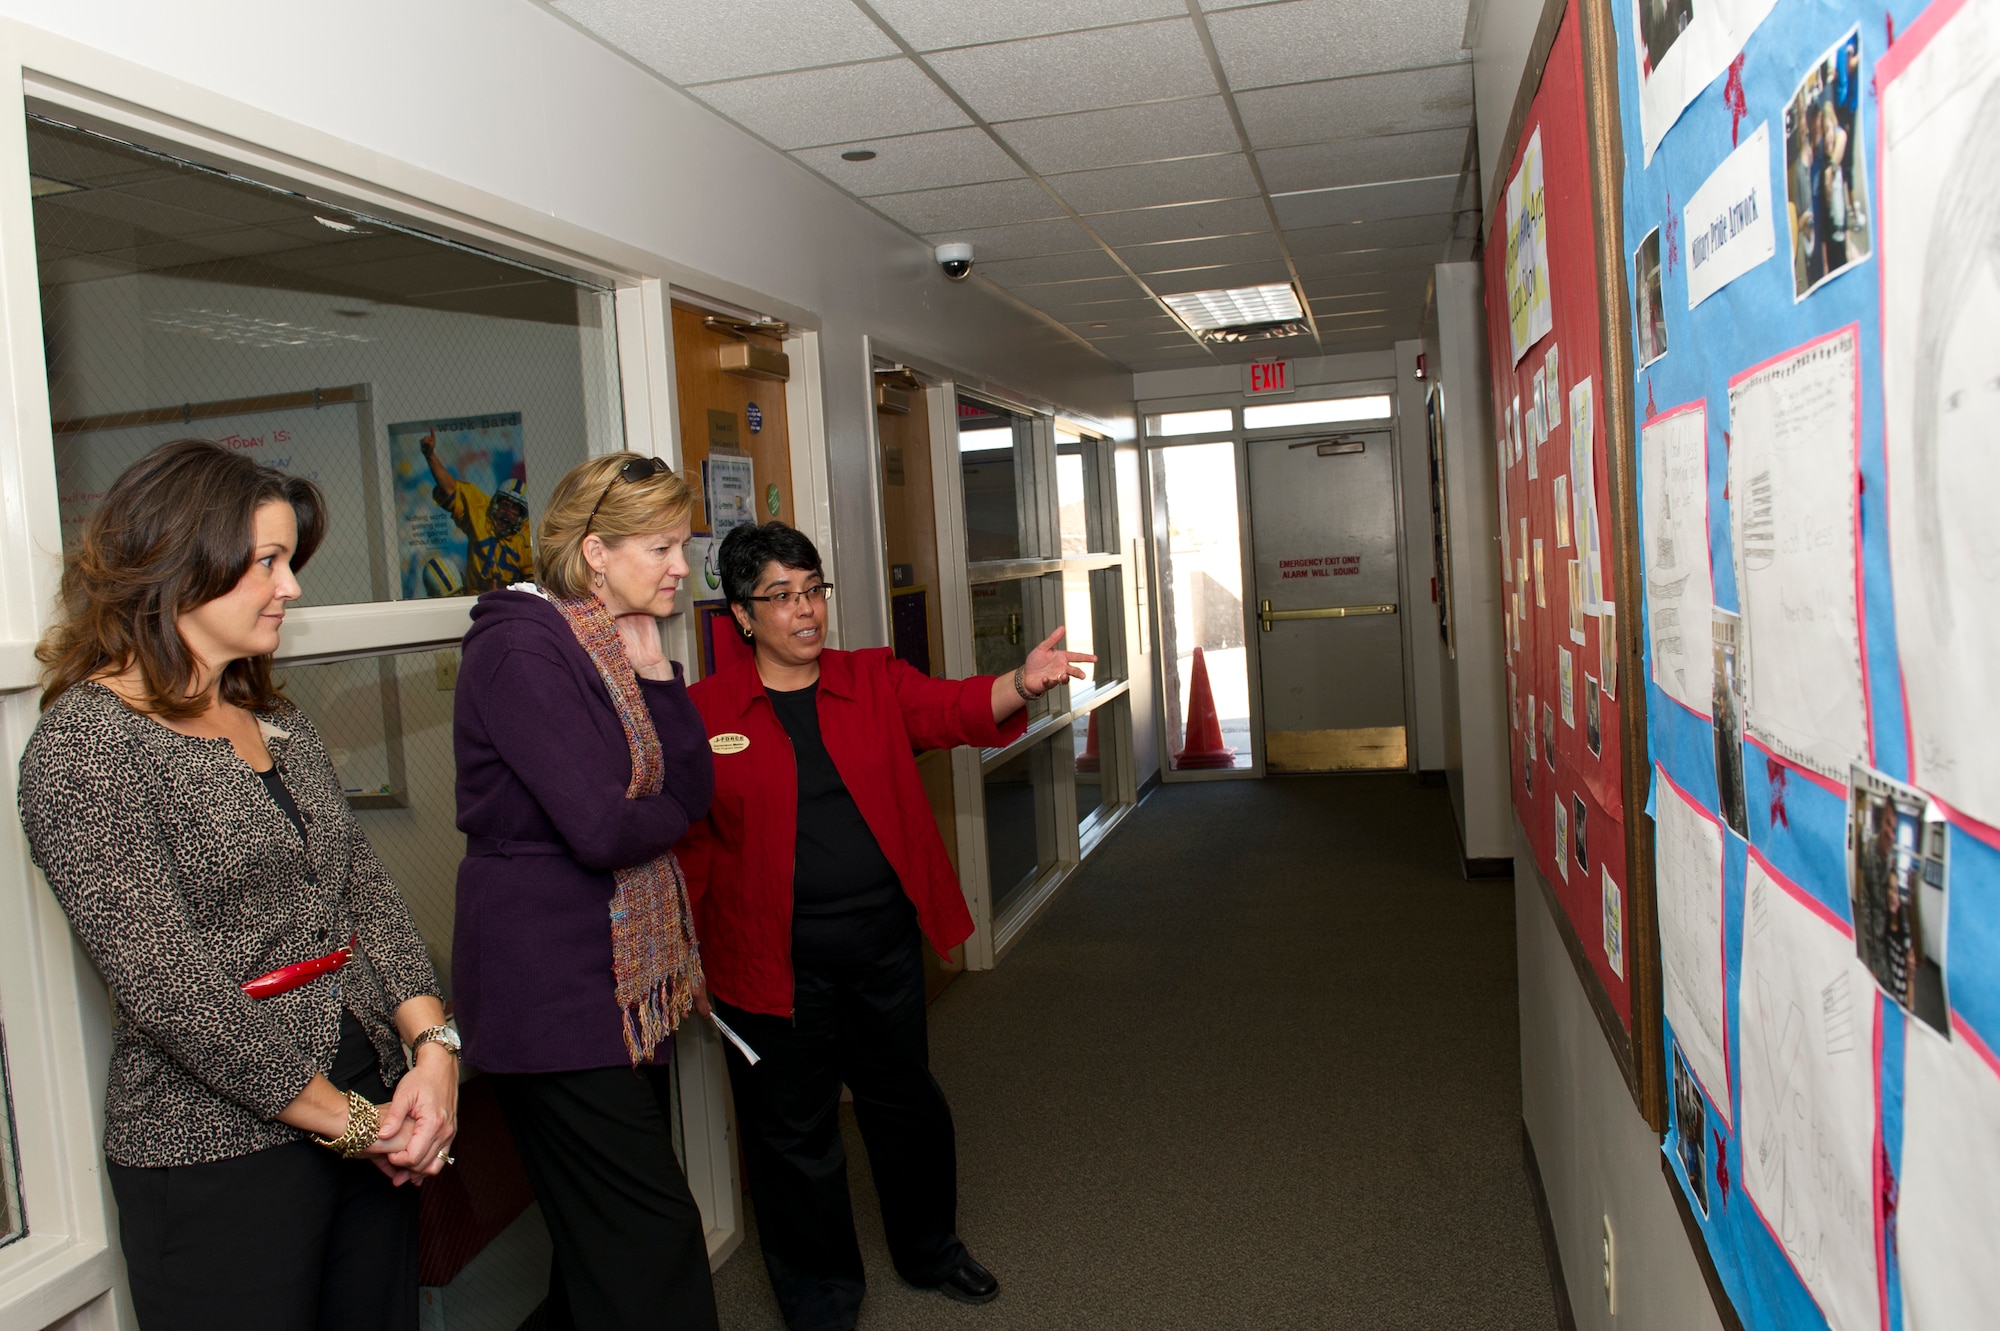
[(1813, 252)]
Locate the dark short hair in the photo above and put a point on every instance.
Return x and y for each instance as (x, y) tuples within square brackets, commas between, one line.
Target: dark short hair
[(174, 532), (747, 549)]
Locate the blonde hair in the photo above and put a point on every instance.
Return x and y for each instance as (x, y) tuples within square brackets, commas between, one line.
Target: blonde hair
[(660, 502)]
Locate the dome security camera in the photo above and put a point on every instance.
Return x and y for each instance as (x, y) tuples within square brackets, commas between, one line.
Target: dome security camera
[(956, 260)]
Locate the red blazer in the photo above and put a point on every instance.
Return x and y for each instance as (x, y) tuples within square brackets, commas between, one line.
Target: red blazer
[(875, 714)]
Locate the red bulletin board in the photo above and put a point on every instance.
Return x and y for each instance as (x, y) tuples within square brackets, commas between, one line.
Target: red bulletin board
[(1599, 916)]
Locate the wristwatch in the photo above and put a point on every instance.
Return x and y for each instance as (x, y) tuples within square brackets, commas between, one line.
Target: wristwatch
[(443, 1035)]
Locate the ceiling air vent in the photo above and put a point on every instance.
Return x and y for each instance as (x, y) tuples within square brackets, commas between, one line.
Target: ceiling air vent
[(1254, 332)]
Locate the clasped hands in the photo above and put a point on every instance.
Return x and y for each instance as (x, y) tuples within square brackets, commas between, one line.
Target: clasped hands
[(420, 1120)]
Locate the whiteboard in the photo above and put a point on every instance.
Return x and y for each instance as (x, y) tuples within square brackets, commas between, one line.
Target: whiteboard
[(324, 435)]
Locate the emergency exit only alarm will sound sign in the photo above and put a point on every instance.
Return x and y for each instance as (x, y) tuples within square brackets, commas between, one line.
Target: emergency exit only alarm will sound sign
[(1267, 376)]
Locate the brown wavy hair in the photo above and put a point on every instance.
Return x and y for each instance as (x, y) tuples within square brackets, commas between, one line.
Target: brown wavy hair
[(174, 532)]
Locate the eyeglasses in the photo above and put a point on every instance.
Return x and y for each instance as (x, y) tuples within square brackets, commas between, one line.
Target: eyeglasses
[(633, 471), (819, 594)]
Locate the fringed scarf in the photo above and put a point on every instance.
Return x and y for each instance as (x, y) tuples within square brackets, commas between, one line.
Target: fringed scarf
[(655, 965)]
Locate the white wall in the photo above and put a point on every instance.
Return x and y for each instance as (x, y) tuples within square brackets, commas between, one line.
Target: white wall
[(1499, 32), (504, 97), (1475, 681), (1598, 1157), (1425, 647)]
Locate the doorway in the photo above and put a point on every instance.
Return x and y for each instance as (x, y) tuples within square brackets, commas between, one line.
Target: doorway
[(1325, 582)]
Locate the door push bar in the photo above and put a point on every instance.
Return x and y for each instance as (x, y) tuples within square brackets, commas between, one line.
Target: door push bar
[(1269, 616)]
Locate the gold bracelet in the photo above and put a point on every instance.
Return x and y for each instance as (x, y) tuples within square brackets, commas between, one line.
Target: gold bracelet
[(364, 1128)]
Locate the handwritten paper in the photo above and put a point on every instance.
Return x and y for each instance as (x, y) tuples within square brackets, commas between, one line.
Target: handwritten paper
[(1794, 431), (1687, 861), (1583, 492), (1728, 225), (1948, 1207), (1529, 317), (1680, 593), (1807, 1014), (1941, 397)]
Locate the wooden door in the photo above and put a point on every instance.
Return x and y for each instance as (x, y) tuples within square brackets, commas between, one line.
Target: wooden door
[(724, 412)]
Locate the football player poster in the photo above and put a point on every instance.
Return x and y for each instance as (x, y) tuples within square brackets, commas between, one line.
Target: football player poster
[(462, 520)]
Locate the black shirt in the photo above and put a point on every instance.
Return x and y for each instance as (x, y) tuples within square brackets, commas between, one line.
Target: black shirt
[(838, 866)]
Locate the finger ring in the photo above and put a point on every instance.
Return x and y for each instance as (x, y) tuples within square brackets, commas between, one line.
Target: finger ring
[(450, 1160)]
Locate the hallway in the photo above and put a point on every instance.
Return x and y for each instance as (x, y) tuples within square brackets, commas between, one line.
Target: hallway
[(1256, 1068)]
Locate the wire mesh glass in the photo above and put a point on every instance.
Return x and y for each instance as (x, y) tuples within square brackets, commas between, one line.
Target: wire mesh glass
[(13, 1216), (179, 301)]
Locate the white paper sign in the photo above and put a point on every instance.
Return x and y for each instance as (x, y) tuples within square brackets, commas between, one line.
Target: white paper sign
[(1529, 316), (1948, 1206), (1680, 591), (1680, 46), (1795, 426), (1687, 853), (1807, 1012), (1583, 491), (1941, 398), (1727, 228)]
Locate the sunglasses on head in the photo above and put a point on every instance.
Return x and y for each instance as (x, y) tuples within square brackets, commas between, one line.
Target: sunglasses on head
[(632, 471)]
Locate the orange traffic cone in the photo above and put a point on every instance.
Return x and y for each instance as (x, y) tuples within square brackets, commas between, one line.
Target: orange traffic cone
[(1087, 760), (1204, 746)]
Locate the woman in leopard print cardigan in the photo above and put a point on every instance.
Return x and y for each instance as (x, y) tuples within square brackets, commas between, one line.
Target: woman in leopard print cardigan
[(191, 824)]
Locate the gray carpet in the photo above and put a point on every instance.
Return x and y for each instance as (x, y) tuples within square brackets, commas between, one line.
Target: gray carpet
[(1255, 1068)]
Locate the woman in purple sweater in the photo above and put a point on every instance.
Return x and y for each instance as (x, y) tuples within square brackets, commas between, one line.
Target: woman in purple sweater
[(580, 763)]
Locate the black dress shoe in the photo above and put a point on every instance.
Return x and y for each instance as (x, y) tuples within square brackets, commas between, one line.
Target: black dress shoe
[(969, 1282)]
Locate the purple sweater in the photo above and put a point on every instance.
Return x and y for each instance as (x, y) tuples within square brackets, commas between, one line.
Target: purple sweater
[(542, 771)]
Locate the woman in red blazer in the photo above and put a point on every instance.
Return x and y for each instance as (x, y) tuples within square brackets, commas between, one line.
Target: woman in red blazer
[(817, 869)]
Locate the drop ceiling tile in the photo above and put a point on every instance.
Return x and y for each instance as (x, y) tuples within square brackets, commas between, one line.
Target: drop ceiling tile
[(1023, 240), (936, 160), (1367, 203), (1419, 257), (1123, 135), (844, 104), (1227, 275), (993, 204), (1187, 221), (1435, 152), (1178, 254), (1079, 71), (1325, 39), (1355, 286), (1094, 311), (1056, 295), (696, 41), (1189, 180), (1020, 273), (1399, 103), (931, 26), (1429, 229)]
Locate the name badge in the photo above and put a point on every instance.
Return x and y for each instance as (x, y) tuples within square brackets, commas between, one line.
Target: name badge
[(730, 743)]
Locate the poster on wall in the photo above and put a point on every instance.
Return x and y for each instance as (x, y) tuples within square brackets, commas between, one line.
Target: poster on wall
[(462, 520), (1940, 282), (1680, 597), (1682, 45), (1528, 315), (1795, 437), (1948, 1198), (729, 488), (1687, 849), (1808, 1013)]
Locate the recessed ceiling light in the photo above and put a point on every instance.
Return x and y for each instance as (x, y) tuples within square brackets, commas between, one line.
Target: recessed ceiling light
[(858, 155), (1234, 306), (1100, 325)]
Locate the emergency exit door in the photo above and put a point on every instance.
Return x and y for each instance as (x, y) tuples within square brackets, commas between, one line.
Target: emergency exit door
[(1325, 611)]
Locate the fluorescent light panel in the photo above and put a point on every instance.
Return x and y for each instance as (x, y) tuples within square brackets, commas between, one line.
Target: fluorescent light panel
[(1235, 306), (1323, 411)]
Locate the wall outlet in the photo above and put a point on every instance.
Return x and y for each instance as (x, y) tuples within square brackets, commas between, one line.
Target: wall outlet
[(1610, 1270), (446, 665)]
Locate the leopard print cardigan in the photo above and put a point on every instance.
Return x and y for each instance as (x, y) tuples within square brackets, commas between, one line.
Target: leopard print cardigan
[(183, 879)]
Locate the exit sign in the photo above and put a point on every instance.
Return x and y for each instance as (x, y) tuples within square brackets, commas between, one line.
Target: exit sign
[(1267, 376)]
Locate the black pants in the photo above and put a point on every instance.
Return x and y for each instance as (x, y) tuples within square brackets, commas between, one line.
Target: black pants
[(292, 1238), (858, 1020), (598, 1145)]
